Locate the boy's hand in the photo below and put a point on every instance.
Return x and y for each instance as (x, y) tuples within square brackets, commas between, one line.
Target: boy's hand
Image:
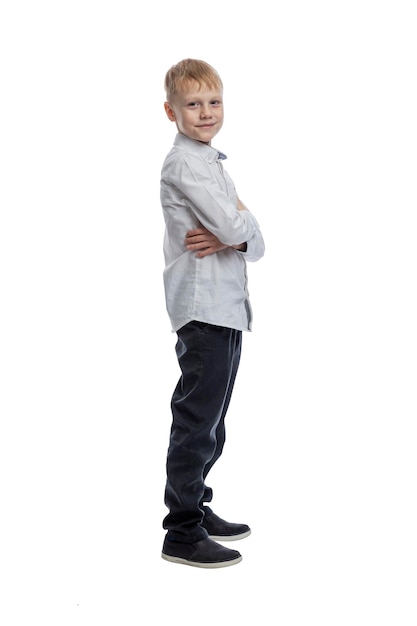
[(203, 241), (241, 206)]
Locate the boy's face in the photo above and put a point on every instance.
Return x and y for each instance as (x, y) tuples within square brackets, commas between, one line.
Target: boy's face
[(198, 112)]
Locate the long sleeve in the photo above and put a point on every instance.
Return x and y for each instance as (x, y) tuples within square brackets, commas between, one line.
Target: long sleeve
[(212, 198), (255, 247), (197, 191)]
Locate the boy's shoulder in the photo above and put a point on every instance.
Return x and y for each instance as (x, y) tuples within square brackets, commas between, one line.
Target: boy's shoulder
[(188, 155), (186, 147)]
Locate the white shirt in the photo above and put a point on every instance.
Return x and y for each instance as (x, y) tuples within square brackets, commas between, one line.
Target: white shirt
[(196, 191)]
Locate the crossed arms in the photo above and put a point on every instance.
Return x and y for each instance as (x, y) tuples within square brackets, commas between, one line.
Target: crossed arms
[(204, 242)]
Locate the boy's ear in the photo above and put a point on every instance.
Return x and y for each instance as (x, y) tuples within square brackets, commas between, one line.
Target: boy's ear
[(169, 111)]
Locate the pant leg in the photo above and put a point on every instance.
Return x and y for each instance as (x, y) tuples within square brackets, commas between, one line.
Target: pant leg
[(208, 362), (235, 352)]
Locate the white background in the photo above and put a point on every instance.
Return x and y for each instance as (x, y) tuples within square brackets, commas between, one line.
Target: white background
[(320, 133)]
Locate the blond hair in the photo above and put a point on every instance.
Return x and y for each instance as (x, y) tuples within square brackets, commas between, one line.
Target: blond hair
[(180, 77)]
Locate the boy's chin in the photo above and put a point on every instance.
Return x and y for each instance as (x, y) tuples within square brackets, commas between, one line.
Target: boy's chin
[(206, 137)]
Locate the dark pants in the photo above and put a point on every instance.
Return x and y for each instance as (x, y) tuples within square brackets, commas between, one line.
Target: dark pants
[(209, 359)]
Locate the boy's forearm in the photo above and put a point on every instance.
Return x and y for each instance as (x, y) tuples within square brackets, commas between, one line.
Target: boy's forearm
[(256, 248), (204, 242), (242, 247)]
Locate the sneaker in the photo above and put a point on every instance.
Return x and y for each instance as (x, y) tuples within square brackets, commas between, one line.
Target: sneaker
[(220, 530), (205, 553)]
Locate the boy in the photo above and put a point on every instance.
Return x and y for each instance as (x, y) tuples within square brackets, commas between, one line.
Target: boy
[(209, 236)]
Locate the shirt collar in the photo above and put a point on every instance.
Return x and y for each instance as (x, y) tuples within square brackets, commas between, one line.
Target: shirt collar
[(197, 147)]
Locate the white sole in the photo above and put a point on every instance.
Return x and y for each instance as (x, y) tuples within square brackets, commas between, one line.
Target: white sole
[(230, 537), (177, 559)]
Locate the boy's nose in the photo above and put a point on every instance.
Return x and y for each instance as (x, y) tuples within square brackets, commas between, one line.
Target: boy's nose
[(205, 111)]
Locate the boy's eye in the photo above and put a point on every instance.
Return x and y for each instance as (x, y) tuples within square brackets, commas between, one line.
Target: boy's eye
[(193, 104)]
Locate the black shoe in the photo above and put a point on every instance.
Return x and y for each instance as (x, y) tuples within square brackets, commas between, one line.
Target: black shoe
[(220, 530), (205, 553)]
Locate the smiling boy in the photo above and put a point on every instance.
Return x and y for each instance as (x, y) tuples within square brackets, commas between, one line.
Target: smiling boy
[(209, 236), (198, 113)]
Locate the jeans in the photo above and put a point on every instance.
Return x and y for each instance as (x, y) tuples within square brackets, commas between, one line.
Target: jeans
[(209, 359)]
